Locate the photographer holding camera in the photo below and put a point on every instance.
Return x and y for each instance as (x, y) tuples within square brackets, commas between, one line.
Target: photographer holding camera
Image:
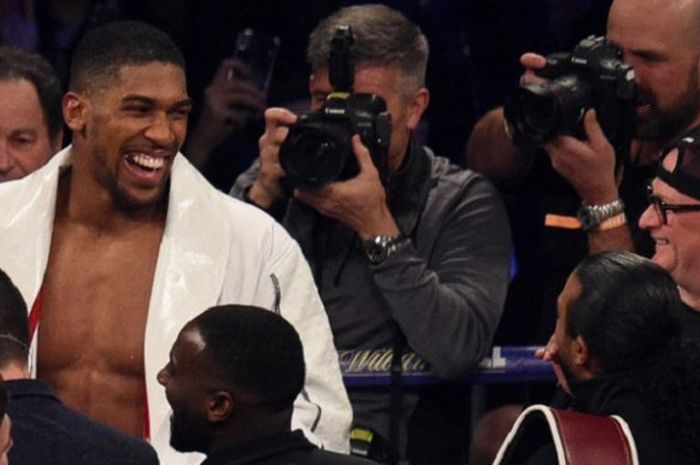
[(409, 252), (659, 41), (662, 51)]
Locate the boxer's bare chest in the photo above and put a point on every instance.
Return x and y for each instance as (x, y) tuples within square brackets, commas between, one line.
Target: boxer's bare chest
[(95, 301)]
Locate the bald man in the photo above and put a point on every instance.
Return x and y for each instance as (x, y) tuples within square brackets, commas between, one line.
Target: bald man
[(664, 51)]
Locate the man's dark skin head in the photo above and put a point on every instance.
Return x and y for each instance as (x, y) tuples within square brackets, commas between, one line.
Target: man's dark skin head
[(233, 375), (127, 106)]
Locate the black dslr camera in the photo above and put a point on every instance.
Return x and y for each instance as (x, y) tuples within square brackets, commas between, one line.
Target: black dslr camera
[(591, 77), (318, 148)]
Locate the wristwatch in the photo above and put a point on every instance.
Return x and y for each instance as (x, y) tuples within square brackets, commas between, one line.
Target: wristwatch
[(379, 248), (591, 216)]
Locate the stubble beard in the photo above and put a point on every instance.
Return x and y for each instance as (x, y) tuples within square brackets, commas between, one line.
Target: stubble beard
[(566, 368), (664, 125)]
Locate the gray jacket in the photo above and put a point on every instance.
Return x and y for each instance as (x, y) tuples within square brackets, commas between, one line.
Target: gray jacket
[(445, 292)]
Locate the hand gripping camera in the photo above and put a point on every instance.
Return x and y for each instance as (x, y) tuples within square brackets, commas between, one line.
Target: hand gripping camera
[(591, 77), (318, 148)]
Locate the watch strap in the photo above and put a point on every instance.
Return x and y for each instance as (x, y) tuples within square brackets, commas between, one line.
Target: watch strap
[(611, 223), (591, 216), (379, 248)]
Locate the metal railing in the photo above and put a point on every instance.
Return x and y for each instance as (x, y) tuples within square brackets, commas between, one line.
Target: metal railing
[(505, 365)]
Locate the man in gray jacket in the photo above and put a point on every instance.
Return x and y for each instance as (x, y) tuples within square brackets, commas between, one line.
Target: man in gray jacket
[(415, 256)]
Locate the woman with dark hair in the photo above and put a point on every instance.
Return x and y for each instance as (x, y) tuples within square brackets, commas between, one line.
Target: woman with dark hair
[(617, 342)]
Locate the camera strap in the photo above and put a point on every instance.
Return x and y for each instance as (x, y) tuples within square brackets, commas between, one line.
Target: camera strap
[(365, 442), (396, 393)]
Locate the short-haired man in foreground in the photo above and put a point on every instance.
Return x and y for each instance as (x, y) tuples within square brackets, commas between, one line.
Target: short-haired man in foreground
[(118, 241), (31, 124), (43, 429), (618, 343), (232, 378)]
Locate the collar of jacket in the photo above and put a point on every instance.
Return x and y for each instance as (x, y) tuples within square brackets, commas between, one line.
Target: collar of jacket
[(595, 395), (30, 388), (259, 450), (408, 187)]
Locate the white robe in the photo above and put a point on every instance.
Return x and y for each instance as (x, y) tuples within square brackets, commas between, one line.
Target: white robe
[(215, 250)]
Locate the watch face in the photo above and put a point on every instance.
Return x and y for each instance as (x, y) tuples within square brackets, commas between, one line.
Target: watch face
[(379, 248), (375, 252)]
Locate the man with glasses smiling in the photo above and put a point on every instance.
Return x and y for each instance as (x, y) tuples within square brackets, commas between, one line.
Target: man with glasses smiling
[(673, 220), (661, 206)]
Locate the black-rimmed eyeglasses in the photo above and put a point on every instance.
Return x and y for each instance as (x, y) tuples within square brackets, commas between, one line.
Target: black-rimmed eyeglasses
[(661, 207)]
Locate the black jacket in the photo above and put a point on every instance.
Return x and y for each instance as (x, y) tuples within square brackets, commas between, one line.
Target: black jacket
[(619, 395), (290, 448), (46, 431)]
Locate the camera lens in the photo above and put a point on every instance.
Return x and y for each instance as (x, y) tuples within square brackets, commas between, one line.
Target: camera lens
[(538, 112), (312, 157)]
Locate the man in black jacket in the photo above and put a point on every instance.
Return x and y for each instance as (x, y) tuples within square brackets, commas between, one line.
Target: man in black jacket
[(43, 429), (232, 378)]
